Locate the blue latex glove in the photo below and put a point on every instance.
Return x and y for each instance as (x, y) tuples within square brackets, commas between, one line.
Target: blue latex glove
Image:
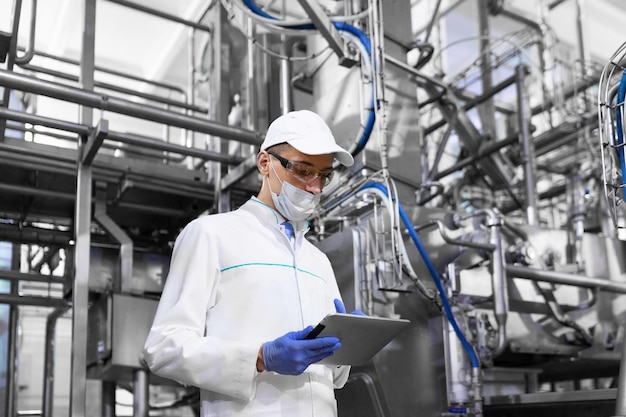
[(342, 309), (291, 354)]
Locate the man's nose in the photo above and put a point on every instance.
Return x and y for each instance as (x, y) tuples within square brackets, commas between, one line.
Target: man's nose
[(315, 186)]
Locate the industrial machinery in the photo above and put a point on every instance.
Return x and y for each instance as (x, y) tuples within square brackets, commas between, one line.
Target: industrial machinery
[(480, 206)]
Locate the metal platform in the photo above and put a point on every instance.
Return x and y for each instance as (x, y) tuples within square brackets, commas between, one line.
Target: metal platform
[(600, 402), (38, 183)]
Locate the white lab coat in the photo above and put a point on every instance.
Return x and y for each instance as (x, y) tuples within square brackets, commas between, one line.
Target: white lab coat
[(236, 281)]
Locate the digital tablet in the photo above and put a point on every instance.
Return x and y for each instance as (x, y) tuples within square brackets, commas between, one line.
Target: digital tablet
[(361, 337)]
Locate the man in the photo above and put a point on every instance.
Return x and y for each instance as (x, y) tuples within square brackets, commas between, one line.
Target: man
[(245, 288)]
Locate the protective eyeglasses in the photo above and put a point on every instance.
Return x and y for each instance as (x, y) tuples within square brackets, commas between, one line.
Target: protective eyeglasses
[(303, 172)]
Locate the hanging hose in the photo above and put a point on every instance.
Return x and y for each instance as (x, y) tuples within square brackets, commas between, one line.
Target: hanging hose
[(435, 276), (619, 105), (365, 46)]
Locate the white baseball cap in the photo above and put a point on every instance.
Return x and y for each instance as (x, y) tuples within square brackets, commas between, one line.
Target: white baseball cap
[(308, 133)]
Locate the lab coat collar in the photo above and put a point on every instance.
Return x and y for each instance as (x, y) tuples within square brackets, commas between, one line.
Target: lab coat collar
[(268, 215)]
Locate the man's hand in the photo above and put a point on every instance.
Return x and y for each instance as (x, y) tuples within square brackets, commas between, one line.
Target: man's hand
[(342, 309), (292, 353)]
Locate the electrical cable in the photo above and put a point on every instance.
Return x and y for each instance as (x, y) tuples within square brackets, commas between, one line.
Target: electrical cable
[(426, 51), (268, 51)]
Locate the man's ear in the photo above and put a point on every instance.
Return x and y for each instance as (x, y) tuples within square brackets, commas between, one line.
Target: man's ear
[(263, 162)]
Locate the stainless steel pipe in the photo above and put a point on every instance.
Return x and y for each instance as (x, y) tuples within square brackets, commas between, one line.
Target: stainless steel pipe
[(565, 278), (127, 138), (101, 101)]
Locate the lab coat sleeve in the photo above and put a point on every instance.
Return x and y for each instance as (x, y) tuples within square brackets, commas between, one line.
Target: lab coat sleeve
[(176, 346), (340, 376)]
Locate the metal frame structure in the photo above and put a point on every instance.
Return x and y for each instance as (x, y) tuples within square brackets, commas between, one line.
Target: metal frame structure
[(490, 228)]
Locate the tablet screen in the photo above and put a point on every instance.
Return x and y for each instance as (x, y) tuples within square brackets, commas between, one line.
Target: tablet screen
[(361, 337)]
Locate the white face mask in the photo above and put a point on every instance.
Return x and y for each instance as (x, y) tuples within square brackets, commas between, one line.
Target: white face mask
[(292, 202)]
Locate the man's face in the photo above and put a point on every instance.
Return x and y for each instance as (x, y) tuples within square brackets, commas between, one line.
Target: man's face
[(306, 172)]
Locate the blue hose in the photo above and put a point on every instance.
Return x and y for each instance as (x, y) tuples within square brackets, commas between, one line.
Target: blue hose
[(256, 9), (340, 26), (435, 276), (366, 132), (621, 95)]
